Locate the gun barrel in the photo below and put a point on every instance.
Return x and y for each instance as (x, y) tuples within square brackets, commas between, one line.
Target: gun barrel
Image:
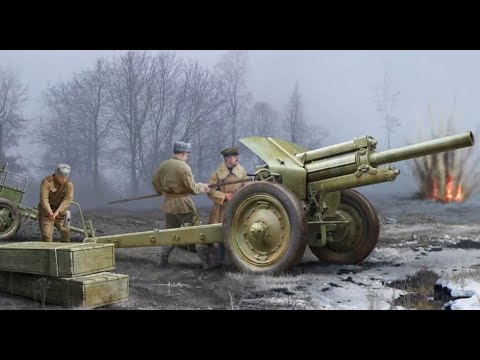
[(434, 146), (348, 163), (337, 149)]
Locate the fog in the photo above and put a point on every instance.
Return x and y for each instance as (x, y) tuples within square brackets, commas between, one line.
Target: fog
[(338, 89)]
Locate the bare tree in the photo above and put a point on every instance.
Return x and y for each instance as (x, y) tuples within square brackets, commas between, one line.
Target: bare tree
[(293, 123), (296, 129), (56, 133), (13, 95), (387, 99), (262, 120), (213, 137), (164, 113), (203, 102), (313, 136), (204, 97), (131, 89), (86, 98), (187, 99), (232, 70)]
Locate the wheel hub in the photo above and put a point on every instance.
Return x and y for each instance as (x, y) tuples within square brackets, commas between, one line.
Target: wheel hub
[(259, 230), (5, 219), (262, 230), (347, 236)]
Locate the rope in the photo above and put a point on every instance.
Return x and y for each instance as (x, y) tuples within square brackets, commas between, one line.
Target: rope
[(68, 293), (56, 260)]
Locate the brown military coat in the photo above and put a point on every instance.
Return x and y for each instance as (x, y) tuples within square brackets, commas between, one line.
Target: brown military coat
[(54, 196), (175, 181), (221, 175)]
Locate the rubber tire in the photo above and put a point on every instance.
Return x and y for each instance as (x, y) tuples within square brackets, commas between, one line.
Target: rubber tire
[(298, 226), (5, 203), (359, 203)]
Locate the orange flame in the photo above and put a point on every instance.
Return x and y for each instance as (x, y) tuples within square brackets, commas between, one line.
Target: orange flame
[(451, 193), (459, 197)]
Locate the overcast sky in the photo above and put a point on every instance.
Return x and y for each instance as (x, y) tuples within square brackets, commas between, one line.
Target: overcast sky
[(337, 87)]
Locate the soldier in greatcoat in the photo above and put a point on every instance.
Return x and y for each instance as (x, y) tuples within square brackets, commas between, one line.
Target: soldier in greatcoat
[(229, 170), (56, 194), (174, 180)]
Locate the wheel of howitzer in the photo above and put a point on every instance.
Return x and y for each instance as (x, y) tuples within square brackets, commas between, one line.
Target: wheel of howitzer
[(265, 229), (354, 241), (10, 219)]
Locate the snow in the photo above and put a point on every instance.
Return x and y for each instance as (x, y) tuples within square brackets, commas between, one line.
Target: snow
[(465, 291), (366, 287)]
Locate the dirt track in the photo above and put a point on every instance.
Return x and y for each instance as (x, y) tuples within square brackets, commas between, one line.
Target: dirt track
[(414, 235)]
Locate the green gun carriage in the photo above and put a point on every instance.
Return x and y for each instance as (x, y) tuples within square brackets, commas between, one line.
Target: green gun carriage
[(299, 198)]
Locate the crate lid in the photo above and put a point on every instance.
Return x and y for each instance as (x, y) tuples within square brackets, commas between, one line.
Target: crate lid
[(27, 245), (97, 278)]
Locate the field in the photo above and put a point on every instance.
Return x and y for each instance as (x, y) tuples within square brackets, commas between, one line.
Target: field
[(420, 241)]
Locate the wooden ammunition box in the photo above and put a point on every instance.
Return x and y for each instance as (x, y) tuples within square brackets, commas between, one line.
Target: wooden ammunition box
[(89, 291), (57, 259)]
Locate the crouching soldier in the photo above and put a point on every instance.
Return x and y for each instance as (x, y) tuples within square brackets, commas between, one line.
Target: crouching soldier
[(56, 194)]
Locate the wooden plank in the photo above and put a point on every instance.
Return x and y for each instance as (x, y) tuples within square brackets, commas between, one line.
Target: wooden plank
[(89, 291), (57, 259)]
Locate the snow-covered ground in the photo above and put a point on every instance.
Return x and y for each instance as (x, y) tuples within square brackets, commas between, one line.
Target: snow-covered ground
[(416, 237), (465, 293), (369, 286)]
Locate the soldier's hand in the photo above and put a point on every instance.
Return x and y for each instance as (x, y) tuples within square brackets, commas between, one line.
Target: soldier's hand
[(55, 214), (228, 197), (204, 188), (51, 216)]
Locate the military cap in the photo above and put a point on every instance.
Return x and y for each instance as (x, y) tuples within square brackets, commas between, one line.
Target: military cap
[(229, 151), (181, 146), (63, 170)]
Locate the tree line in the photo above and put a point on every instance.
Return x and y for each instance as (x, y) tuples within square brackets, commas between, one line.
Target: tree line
[(123, 114)]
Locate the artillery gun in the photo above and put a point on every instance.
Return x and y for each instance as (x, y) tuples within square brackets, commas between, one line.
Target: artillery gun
[(12, 189), (299, 198)]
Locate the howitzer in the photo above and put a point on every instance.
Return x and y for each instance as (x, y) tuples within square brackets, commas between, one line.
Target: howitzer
[(300, 198), (12, 189)]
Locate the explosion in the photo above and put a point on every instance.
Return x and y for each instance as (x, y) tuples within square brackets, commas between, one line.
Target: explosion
[(447, 177), (451, 191)]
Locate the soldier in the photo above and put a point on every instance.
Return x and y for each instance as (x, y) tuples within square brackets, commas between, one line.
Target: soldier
[(228, 171), (175, 181), (56, 194)]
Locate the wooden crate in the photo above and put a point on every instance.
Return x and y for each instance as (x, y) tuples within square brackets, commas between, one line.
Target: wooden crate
[(89, 291), (57, 259)]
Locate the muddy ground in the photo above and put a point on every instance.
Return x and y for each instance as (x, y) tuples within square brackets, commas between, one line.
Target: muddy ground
[(419, 242)]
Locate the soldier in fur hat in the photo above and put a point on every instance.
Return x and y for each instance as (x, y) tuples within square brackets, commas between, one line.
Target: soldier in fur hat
[(174, 180)]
